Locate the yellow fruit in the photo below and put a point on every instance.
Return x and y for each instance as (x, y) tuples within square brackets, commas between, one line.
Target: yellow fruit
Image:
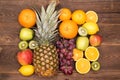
[(82, 66), (91, 16), (92, 53), (77, 54), (79, 17), (26, 70), (92, 28)]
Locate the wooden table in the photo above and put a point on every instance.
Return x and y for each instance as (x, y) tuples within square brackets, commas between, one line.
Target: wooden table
[(109, 23)]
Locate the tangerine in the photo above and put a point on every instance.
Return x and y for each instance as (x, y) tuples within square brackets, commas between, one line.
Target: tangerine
[(65, 14), (68, 29), (79, 17), (27, 18)]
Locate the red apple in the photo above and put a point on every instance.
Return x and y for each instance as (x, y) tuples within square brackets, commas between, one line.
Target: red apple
[(95, 40), (25, 57)]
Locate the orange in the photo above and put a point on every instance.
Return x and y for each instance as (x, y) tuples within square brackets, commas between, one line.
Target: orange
[(92, 16), (27, 18), (77, 54), (79, 17), (68, 29), (92, 53), (82, 66), (65, 14)]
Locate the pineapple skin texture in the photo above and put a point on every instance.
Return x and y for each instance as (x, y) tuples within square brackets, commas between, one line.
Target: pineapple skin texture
[(45, 60)]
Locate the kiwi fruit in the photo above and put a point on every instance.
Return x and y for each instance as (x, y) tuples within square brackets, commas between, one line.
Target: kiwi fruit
[(82, 31), (23, 45), (95, 66), (33, 44)]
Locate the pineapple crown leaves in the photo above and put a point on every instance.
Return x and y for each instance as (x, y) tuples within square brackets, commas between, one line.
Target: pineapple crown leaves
[(47, 21)]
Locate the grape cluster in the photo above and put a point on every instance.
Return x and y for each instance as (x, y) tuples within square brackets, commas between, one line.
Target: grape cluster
[(65, 49)]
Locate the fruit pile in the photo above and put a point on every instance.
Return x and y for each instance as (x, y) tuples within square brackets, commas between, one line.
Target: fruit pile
[(43, 54), (83, 28)]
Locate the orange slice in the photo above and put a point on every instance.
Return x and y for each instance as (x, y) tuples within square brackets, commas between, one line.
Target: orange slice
[(82, 66), (77, 54), (92, 53), (92, 16)]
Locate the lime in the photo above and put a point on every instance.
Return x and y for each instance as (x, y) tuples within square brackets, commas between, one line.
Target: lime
[(95, 66), (26, 70)]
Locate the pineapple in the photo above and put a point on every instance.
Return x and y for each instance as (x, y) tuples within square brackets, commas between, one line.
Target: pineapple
[(45, 59)]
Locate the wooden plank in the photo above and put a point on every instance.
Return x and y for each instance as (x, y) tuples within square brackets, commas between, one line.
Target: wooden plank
[(104, 6), (75, 76)]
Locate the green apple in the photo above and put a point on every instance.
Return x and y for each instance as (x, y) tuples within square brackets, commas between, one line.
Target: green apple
[(26, 34), (82, 43)]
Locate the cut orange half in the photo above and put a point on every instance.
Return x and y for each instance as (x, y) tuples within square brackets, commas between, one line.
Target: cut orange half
[(92, 16), (92, 53), (82, 66), (77, 54)]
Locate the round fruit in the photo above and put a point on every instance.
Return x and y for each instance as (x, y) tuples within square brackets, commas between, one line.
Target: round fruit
[(65, 14), (27, 18), (82, 43), (91, 27), (91, 16), (68, 29), (23, 45), (82, 31), (95, 66), (79, 17), (26, 34), (26, 70), (82, 66), (33, 44), (77, 54), (92, 53)]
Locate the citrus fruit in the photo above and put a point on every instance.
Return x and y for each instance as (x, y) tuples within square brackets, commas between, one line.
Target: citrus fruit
[(92, 53), (65, 14), (82, 31), (23, 45), (91, 27), (82, 43), (92, 16), (79, 17), (27, 18), (82, 66), (77, 54), (26, 70), (33, 44), (95, 65), (68, 29)]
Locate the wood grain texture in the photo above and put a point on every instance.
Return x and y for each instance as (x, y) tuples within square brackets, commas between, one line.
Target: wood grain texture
[(109, 23)]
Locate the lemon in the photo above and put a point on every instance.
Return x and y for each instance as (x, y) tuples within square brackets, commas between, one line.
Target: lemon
[(26, 70), (92, 28)]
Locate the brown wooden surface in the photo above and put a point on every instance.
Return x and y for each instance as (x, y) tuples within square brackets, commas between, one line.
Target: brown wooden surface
[(109, 23)]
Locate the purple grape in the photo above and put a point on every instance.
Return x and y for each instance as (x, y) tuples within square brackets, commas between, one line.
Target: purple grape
[(62, 68), (65, 71), (61, 55), (68, 62)]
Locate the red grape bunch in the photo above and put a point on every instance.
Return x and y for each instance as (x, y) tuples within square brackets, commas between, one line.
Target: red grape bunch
[(65, 49)]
